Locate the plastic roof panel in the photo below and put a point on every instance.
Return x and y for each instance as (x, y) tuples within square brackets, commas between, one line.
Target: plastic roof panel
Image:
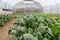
[(57, 1), (44, 3), (51, 2), (4, 0), (15, 2), (11, 2)]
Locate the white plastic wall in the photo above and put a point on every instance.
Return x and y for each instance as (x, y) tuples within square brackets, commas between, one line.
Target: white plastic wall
[(51, 9), (58, 8), (48, 6), (47, 9), (54, 9), (2, 5)]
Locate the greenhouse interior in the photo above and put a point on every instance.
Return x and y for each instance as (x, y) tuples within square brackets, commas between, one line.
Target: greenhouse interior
[(29, 19)]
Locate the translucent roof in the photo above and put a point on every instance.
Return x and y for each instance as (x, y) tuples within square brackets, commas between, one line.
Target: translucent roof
[(57, 1), (44, 3), (11, 2), (28, 4)]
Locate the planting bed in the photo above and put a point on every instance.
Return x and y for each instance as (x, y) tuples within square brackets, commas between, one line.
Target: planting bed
[(4, 19), (32, 27)]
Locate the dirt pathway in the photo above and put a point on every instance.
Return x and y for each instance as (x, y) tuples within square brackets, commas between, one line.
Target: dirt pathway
[(4, 30)]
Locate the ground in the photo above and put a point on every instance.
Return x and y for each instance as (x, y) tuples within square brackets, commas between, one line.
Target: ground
[(4, 30)]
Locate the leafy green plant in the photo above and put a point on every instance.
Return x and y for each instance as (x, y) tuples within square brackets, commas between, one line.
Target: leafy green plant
[(3, 19), (32, 27)]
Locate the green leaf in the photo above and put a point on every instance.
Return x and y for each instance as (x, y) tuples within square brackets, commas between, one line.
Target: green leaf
[(28, 37)]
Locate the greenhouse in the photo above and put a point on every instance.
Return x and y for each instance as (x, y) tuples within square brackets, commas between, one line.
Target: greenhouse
[(29, 19)]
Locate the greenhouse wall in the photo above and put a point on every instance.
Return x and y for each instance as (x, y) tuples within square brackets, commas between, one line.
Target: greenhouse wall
[(58, 8), (46, 6), (47, 9), (54, 9), (2, 5)]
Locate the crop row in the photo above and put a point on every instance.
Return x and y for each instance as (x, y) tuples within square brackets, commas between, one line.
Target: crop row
[(4, 19), (32, 27)]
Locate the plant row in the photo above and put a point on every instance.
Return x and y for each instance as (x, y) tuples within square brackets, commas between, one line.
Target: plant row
[(32, 27), (4, 19)]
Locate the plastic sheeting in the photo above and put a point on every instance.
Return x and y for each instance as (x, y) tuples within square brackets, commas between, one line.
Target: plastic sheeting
[(42, 2), (11, 2), (4, 5), (48, 6), (28, 6)]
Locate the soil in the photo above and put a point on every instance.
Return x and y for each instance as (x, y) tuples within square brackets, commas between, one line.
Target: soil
[(4, 30)]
